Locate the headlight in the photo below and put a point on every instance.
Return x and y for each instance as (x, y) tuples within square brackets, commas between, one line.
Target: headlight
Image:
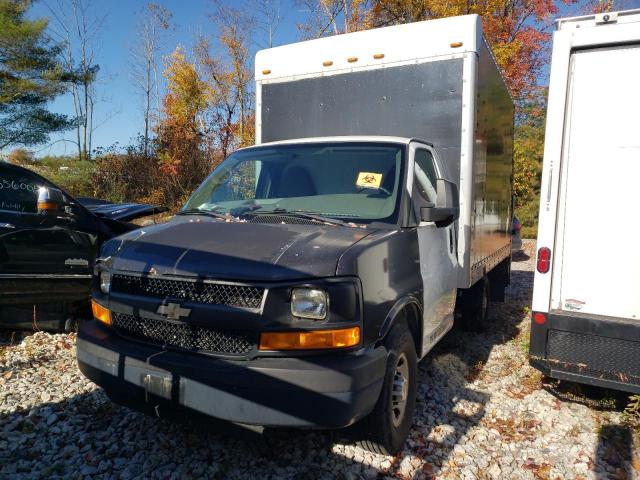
[(309, 303), (105, 281)]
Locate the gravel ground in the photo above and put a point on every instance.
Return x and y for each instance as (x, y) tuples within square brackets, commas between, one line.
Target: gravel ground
[(482, 412)]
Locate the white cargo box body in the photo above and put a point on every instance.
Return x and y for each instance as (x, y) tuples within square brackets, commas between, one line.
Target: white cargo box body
[(590, 199), (434, 80), (586, 302)]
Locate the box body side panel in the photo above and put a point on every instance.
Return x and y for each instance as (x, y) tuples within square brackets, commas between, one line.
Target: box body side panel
[(492, 171)]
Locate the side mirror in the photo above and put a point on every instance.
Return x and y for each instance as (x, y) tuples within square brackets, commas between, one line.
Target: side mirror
[(51, 201), (446, 210)]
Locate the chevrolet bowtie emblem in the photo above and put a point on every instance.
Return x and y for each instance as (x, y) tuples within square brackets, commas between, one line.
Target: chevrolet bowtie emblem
[(173, 311)]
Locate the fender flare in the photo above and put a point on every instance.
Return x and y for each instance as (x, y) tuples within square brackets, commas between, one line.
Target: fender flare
[(401, 303)]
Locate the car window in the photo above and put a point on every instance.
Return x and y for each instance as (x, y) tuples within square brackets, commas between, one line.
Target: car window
[(19, 190), (359, 181), (425, 177)]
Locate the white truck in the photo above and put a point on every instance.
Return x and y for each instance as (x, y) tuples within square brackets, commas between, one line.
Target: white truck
[(307, 275), (586, 299)]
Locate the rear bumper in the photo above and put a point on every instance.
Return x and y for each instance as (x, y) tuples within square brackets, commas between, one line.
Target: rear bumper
[(330, 391), (598, 351)]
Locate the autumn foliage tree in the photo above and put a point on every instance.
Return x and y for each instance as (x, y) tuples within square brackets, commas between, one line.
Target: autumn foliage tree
[(180, 138)]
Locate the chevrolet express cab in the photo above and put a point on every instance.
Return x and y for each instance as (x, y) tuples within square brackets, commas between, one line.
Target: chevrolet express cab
[(305, 278)]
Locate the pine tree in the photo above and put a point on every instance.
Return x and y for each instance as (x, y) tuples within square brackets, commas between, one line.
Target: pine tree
[(30, 77)]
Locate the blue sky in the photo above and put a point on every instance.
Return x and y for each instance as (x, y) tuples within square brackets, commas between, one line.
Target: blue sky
[(119, 113)]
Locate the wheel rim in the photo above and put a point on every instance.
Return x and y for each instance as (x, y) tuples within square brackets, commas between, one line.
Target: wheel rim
[(399, 390)]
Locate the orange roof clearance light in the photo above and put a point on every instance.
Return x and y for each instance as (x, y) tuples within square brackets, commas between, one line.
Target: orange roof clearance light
[(310, 340), (266, 72), (378, 56), (352, 59), (327, 63), (456, 44)]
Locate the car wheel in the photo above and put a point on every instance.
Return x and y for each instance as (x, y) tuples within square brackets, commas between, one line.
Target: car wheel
[(385, 430)]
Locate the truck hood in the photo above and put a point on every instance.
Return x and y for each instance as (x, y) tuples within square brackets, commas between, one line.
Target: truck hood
[(204, 247), (122, 212)]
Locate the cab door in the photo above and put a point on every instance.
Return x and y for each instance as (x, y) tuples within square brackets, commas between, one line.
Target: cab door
[(437, 246), (47, 249)]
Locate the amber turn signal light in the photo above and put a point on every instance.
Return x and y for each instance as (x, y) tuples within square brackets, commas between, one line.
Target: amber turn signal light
[(47, 206), (313, 340), (100, 313)]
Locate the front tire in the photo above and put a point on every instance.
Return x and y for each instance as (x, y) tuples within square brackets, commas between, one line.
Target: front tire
[(387, 427)]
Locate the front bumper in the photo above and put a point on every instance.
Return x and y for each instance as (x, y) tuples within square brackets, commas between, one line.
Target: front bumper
[(329, 391), (589, 349)]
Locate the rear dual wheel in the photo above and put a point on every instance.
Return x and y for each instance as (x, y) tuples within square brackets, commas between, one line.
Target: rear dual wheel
[(475, 306)]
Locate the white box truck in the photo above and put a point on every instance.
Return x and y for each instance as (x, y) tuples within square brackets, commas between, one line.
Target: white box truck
[(586, 299), (307, 275)]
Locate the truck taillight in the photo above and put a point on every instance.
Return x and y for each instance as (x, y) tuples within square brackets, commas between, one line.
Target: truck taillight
[(539, 318), (544, 259)]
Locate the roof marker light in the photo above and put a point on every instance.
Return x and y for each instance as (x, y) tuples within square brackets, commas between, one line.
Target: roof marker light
[(266, 72), (327, 63), (352, 59), (378, 56), (456, 44)]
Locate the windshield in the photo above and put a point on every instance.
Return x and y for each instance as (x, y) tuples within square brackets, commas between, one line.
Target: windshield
[(352, 181)]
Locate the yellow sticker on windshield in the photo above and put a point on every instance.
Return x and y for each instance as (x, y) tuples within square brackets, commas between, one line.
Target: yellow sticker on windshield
[(369, 180)]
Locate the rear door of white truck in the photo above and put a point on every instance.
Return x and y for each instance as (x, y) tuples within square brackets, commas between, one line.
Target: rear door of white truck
[(597, 258)]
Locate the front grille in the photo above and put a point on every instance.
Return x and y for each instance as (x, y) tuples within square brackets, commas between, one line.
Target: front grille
[(601, 357), (182, 335), (191, 290)]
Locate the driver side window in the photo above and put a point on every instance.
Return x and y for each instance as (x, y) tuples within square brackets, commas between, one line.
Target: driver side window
[(424, 176), (240, 183)]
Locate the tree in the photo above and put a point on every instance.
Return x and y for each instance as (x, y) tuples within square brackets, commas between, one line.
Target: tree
[(30, 77), (333, 17), (179, 134), (234, 28), (219, 119), (77, 27), (529, 148), (268, 19), (144, 61)]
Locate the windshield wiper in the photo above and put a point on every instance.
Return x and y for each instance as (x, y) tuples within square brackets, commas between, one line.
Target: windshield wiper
[(208, 213), (302, 214)]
